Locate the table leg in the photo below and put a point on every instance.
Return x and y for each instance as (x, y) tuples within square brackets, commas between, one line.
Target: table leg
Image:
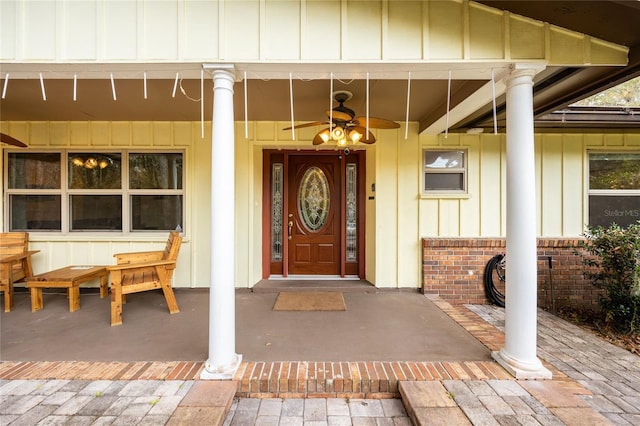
[(104, 286), (36, 298), (74, 298)]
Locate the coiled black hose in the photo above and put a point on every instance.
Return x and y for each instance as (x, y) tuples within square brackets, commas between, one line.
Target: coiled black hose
[(493, 294)]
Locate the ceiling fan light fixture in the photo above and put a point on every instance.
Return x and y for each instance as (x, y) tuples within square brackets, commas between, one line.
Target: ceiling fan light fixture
[(355, 136), (337, 133), (321, 137), (342, 142)]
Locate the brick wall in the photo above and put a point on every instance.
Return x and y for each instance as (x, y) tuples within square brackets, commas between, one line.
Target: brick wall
[(453, 268)]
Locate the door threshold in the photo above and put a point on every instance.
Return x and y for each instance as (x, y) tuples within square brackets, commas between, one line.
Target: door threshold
[(313, 284), (313, 278)]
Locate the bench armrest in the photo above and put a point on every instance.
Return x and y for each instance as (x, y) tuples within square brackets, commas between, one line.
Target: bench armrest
[(142, 256), (125, 266), (19, 256)]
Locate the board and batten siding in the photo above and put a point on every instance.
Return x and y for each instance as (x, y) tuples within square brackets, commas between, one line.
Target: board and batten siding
[(398, 214), (232, 31), (561, 184)]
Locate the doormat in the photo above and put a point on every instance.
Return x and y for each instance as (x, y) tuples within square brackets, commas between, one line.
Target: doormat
[(310, 301)]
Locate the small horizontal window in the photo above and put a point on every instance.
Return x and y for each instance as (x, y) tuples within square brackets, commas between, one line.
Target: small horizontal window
[(444, 171)]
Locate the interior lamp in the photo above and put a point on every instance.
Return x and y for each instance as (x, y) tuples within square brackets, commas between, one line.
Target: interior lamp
[(91, 163)]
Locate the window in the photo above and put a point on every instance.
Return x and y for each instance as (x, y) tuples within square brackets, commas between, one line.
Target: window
[(77, 191), (445, 171), (614, 188)]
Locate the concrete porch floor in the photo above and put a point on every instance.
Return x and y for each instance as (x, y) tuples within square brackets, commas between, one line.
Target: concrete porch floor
[(377, 326)]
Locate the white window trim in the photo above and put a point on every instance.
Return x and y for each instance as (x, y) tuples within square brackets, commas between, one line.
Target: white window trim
[(65, 192), (440, 193)]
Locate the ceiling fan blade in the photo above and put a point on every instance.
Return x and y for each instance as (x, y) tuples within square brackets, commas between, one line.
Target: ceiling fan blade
[(339, 115), (321, 137), (377, 123), (314, 123), (4, 138)]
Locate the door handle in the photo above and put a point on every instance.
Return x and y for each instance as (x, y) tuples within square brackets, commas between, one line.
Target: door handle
[(290, 226)]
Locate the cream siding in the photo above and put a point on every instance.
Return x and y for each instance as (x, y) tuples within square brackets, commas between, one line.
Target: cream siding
[(399, 214), (96, 31)]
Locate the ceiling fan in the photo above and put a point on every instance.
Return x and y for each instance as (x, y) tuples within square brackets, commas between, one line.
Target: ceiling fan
[(344, 126), (4, 138)]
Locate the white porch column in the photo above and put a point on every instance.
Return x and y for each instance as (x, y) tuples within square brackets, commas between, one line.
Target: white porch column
[(518, 355), (223, 361)]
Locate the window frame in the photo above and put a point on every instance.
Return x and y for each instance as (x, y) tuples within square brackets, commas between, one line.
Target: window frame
[(66, 193), (605, 192), (464, 170)]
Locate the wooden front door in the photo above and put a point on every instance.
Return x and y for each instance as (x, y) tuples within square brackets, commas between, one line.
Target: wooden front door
[(313, 218)]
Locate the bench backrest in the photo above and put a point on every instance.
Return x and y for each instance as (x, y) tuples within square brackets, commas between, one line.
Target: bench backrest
[(173, 246), (12, 243)]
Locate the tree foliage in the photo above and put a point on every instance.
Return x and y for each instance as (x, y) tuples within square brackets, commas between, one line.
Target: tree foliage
[(613, 258), (626, 94)]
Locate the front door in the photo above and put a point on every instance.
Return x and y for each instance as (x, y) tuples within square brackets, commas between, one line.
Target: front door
[(313, 213), (313, 218)]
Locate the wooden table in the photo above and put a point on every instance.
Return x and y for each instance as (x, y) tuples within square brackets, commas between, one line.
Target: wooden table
[(69, 277)]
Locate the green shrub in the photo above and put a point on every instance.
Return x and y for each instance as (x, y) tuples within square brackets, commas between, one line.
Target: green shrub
[(614, 266)]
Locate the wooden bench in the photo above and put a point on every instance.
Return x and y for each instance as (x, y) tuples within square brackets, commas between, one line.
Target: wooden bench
[(15, 263), (69, 277), (143, 271)]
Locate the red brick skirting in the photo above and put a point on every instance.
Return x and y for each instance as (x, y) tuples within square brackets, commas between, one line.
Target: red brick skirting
[(453, 269), (291, 379)]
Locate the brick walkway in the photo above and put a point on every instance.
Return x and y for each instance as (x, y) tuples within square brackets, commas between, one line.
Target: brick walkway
[(593, 383)]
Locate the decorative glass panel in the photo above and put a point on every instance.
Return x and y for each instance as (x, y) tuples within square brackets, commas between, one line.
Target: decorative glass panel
[(313, 199), (276, 212), (94, 171), (352, 213)]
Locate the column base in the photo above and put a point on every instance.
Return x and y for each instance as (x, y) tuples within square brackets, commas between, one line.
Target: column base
[(221, 372), (520, 370)]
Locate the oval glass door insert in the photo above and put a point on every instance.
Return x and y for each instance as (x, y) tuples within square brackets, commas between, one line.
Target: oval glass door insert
[(313, 199)]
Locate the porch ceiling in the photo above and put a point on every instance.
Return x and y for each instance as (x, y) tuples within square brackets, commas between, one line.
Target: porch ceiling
[(268, 99)]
